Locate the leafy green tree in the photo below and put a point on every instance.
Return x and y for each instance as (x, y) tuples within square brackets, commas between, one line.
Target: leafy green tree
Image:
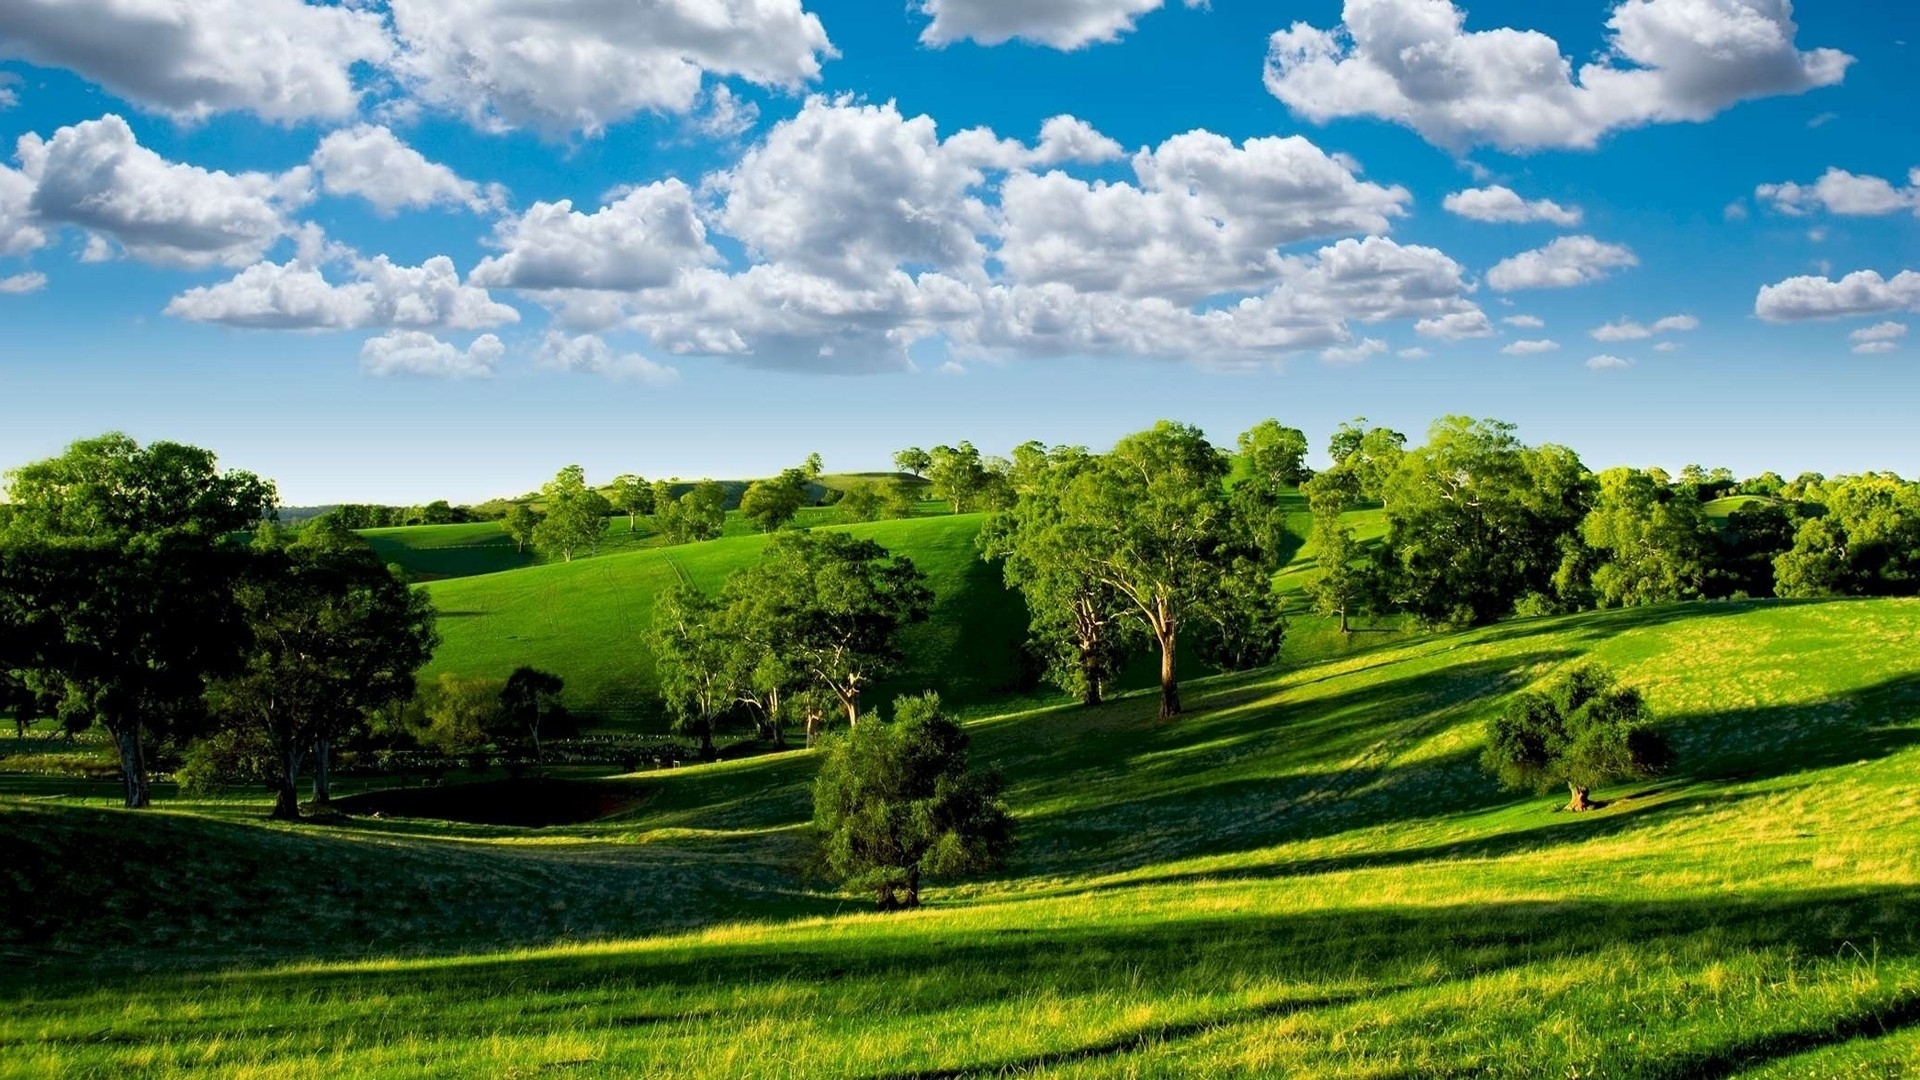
[(913, 460), (771, 504), (895, 804), (1160, 531), (863, 500), (520, 524), (117, 570), (1754, 536), (455, 714), (1369, 455), (1653, 540), (694, 657), (1077, 620), (632, 496), (1271, 462), (699, 514), (902, 500), (530, 706), (1867, 543), (1476, 521), (831, 608), (958, 475), (1583, 730), (1339, 587), (576, 515), (334, 638)]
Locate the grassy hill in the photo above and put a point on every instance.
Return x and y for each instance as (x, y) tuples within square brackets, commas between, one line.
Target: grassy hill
[(586, 620), (1307, 876)]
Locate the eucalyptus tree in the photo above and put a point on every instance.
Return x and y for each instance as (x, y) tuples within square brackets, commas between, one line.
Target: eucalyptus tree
[(1865, 543), (520, 525), (693, 658), (913, 460), (632, 496), (576, 515), (698, 514), (117, 571), (1652, 539)]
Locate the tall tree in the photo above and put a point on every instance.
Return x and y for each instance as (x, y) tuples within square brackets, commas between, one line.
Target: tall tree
[(530, 705), (1369, 454), (772, 503), (632, 496), (699, 514), (1270, 464), (1476, 520), (957, 475), (694, 658), (896, 803), (117, 571), (1160, 532), (1653, 540), (1077, 619), (913, 460), (1339, 585), (576, 515), (334, 638), (831, 606), (1583, 730), (520, 524)]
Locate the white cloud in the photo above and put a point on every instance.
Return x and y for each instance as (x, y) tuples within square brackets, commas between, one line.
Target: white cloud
[(297, 296), (581, 65), (590, 354), (1629, 330), (1667, 346), (1353, 354), (1882, 338), (20, 284), (283, 60), (726, 114), (1841, 192), (1457, 326), (94, 175), (1568, 261), (1061, 24), (9, 97), (1069, 138), (1502, 205), (1863, 292), (20, 231), (1414, 63), (1525, 322), (415, 352), (641, 240), (1608, 363), (1676, 324), (1414, 353), (1531, 348), (1206, 217), (373, 163)]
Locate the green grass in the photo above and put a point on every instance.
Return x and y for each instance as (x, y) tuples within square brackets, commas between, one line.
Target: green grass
[(1307, 876), (587, 620)]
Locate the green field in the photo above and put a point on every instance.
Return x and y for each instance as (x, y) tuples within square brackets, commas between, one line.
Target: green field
[(1307, 876), (586, 620)]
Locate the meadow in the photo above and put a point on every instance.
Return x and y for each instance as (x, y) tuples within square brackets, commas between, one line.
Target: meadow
[(1308, 875)]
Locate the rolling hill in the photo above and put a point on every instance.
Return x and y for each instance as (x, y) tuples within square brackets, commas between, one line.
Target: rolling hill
[(1308, 875)]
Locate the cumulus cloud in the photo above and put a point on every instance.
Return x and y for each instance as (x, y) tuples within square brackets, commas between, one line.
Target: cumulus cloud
[(282, 60), (1205, 217), (1568, 261), (1525, 322), (96, 176), (374, 164), (1531, 348), (416, 352), (1353, 354), (20, 232), (20, 284), (726, 115), (9, 97), (1841, 192), (1061, 24), (1503, 205), (1863, 292), (1629, 330), (1414, 63), (641, 240), (590, 354), (580, 65), (1882, 338), (1605, 362), (298, 296), (1457, 326)]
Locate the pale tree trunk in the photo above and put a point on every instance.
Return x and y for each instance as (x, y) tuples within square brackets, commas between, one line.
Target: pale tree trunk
[(286, 796), (1169, 679), (133, 767), (322, 772), (814, 724), (1579, 802), (773, 718)]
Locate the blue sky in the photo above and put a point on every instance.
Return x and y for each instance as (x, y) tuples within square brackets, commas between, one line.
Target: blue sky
[(326, 240)]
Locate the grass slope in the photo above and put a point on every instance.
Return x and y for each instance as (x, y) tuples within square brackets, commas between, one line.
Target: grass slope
[(1307, 876), (586, 620)]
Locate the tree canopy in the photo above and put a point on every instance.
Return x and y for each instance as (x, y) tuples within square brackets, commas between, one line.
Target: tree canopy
[(575, 515), (1582, 730)]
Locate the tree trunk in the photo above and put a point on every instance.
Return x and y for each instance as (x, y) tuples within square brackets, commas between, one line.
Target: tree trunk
[(1169, 678), (708, 752), (912, 898), (1089, 676), (286, 796), (632, 526), (538, 758), (1345, 630), (773, 718), (322, 772), (1579, 802), (814, 716), (133, 768)]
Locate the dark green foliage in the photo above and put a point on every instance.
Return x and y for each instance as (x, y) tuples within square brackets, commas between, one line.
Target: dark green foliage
[(693, 655), (1271, 461), (1867, 543), (698, 514), (1583, 730), (1753, 536), (1651, 539), (530, 708), (895, 804), (771, 504)]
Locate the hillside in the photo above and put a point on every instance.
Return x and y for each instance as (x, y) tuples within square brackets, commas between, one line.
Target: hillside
[(1307, 876), (585, 620)]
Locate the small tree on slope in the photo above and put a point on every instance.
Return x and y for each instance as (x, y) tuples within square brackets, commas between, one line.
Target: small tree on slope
[(1583, 730), (895, 803)]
